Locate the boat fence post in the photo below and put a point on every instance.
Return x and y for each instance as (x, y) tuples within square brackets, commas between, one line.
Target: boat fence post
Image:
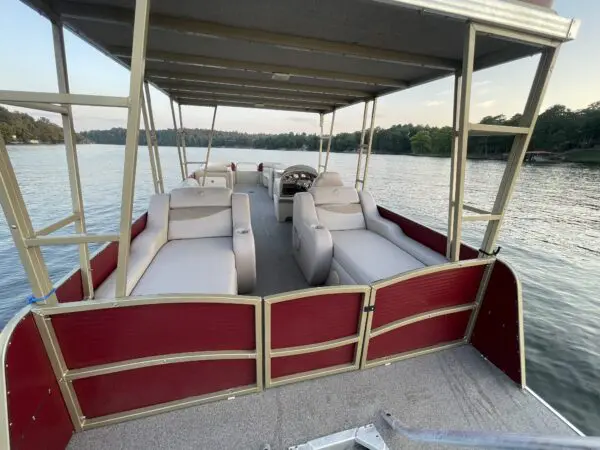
[(455, 113), (520, 144), (154, 139), (149, 144), (463, 138), (329, 141), (72, 159), (177, 139), (361, 144), (371, 134), (138, 64), (183, 148), (19, 223), (208, 148), (320, 143)]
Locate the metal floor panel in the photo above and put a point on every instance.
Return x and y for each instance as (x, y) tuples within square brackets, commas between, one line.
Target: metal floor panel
[(453, 389)]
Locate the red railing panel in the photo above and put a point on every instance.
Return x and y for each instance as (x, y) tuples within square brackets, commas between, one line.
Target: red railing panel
[(419, 335), (289, 365), (36, 411), (426, 293), (132, 389), (89, 338), (497, 333), (315, 319)]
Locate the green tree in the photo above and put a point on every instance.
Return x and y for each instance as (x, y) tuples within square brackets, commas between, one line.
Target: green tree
[(421, 142)]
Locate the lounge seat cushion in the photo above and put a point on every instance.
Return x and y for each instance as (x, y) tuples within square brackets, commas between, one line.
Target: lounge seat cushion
[(368, 257), (190, 266)]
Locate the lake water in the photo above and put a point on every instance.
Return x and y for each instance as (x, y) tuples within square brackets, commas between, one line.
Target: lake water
[(551, 237)]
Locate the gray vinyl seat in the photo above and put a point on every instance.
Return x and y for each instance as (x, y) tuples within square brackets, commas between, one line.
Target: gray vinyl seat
[(340, 238)]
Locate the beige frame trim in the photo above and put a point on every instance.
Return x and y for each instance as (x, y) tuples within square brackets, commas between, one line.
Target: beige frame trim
[(63, 98), (70, 239), (55, 226), (147, 99), (412, 354), (329, 139), (177, 139), (49, 107), (209, 146), (371, 333), (357, 339)]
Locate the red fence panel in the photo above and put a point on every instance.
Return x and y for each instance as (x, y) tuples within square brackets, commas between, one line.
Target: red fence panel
[(36, 411)]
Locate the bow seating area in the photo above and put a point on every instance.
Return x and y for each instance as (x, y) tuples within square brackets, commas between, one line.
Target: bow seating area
[(340, 238), (197, 240)]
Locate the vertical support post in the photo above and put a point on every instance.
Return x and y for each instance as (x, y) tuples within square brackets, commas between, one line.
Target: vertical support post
[(320, 143), (453, 166), (72, 161), (208, 148), (463, 138), (183, 149), (150, 147), (371, 133), (329, 141), (20, 226), (361, 145), (154, 139), (520, 144), (176, 129), (138, 65)]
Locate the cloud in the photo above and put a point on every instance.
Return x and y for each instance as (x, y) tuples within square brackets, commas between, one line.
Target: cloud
[(482, 83), (434, 103), (444, 93), (486, 104)]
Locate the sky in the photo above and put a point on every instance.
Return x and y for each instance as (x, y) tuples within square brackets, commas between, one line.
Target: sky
[(27, 64)]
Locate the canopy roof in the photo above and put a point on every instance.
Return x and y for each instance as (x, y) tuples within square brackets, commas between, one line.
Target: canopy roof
[(304, 55)]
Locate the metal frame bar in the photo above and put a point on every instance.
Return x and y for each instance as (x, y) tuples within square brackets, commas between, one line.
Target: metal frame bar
[(209, 146), (198, 60), (330, 139), (19, 223), (453, 163), (482, 129), (48, 107), (182, 137), (150, 145), (370, 333), (361, 144), (243, 102), (262, 105), (177, 139), (63, 98), (138, 63), (70, 239), (287, 86), (55, 226), (370, 146), (319, 165), (357, 339), (153, 136), (204, 28), (72, 159), (515, 36)]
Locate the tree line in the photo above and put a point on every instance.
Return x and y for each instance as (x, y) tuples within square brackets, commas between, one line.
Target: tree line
[(558, 129)]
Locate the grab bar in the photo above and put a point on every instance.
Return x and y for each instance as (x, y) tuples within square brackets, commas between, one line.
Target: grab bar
[(491, 440)]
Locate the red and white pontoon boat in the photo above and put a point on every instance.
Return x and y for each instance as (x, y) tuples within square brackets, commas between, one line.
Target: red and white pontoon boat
[(260, 305)]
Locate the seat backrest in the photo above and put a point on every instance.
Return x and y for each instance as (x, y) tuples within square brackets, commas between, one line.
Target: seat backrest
[(200, 213), (338, 207), (328, 179), (217, 175)]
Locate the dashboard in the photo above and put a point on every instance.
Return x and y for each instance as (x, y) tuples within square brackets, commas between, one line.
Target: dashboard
[(293, 182)]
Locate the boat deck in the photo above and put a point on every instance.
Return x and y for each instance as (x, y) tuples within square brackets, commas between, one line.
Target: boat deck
[(454, 389), (276, 268)]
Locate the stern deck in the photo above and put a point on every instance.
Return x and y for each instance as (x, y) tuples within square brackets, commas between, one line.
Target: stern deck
[(453, 389)]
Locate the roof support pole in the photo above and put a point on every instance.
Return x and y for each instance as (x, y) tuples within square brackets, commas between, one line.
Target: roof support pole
[(182, 137), (320, 142), (463, 138), (370, 146), (330, 138), (361, 144), (19, 223), (208, 148), (138, 64), (453, 165), (176, 130), (150, 147), (154, 138), (520, 144), (72, 160)]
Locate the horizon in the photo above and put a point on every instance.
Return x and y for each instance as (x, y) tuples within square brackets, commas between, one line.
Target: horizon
[(499, 90)]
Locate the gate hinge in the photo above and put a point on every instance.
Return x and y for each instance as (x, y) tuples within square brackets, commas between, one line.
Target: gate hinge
[(369, 308)]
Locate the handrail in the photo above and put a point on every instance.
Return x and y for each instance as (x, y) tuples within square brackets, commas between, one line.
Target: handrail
[(486, 439)]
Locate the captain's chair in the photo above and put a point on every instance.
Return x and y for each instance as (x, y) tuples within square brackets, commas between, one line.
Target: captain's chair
[(340, 238)]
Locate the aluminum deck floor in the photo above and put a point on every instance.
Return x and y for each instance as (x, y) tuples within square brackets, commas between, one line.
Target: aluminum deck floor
[(453, 389)]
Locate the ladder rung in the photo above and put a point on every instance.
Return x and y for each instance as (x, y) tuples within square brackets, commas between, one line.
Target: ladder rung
[(475, 210), (482, 129), (70, 239), (57, 225), (482, 218)]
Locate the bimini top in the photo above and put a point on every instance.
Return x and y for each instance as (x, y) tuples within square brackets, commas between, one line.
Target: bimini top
[(302, 55)]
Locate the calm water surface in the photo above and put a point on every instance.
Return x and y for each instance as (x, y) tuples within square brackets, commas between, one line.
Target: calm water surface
[(551, 236)]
